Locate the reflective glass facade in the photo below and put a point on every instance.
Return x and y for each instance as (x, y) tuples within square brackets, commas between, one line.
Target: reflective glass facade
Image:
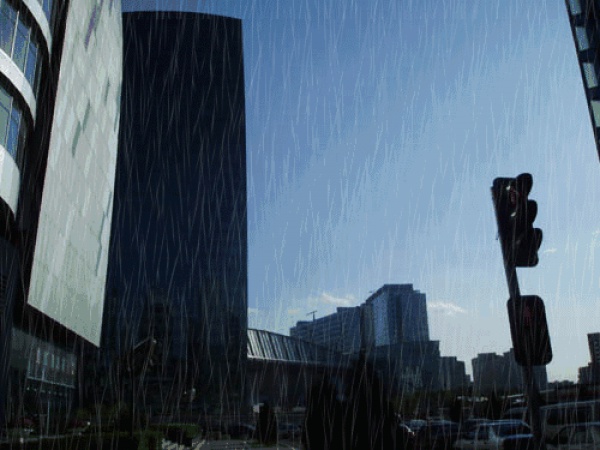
[(13, 128), (19, 41), (47, 7), (43, 377), (179, 219), (43, 362), (399, 315), (381, 318)]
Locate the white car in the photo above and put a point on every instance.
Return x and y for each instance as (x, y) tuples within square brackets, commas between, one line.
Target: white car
[(497, 434), (579, 436)]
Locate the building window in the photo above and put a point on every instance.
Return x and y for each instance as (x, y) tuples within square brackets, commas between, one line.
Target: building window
[(590, 75), (12, 124), (583, 43), (21, 45), (575, 7), (8, 19), (596, 112), (19, 42), (47, 7)]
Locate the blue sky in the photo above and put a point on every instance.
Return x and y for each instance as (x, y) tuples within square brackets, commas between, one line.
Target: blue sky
[(374, 131)]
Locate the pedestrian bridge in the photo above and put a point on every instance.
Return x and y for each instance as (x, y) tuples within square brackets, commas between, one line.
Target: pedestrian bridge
[(281, 368), (269, 346)]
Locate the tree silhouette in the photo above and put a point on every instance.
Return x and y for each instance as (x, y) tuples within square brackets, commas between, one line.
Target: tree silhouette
[(456, 410), (494, 407), (323, 422), (366, 419)]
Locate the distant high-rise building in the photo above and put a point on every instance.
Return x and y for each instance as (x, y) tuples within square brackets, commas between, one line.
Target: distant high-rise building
[(394, 314), (594, 344), (489, 373), (391, 327), (178, 249), (340, 331), (399, 314), (59, 121), (591, 373), (453, 374), (500, 373), (585, 374)]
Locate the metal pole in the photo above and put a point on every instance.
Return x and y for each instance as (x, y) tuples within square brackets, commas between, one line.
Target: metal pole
[(533, 399), (132, 402), (533, 394), (511, 280)]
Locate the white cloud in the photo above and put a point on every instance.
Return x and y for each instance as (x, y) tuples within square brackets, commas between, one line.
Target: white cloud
[(550, 250), (328, 299), (254, 311), (447, 308), (336, 301), (293, 311)]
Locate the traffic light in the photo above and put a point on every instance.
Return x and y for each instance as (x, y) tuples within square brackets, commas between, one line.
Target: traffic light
[(515, 215), (529, 330)]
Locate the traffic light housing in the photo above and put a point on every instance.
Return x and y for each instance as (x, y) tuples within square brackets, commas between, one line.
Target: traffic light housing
[(515, 215), (529, 330)]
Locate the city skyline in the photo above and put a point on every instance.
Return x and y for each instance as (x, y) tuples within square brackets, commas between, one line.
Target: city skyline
[(374, 133)]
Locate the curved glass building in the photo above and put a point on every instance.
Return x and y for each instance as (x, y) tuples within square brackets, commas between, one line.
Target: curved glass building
[(59, 118)]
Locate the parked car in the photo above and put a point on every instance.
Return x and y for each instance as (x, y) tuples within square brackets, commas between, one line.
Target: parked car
[(579, 436), (437, 435), (516, 413), (415, 424), (497, 434), (405, 429), (558, 415), (469, 425)]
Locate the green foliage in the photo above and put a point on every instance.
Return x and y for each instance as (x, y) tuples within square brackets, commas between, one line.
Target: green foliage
[(150, 440)]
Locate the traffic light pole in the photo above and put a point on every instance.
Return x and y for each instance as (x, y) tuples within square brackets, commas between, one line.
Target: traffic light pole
[(520, 241), (533, 393)]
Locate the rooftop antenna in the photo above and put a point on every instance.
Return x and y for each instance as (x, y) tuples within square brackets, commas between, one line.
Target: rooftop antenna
[(313, 314)]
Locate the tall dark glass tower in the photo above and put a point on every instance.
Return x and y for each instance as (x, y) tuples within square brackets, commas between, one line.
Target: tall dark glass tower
[(178, 253)]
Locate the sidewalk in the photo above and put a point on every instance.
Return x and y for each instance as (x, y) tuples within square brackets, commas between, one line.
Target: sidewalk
[(167, 445), (243, 445)]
